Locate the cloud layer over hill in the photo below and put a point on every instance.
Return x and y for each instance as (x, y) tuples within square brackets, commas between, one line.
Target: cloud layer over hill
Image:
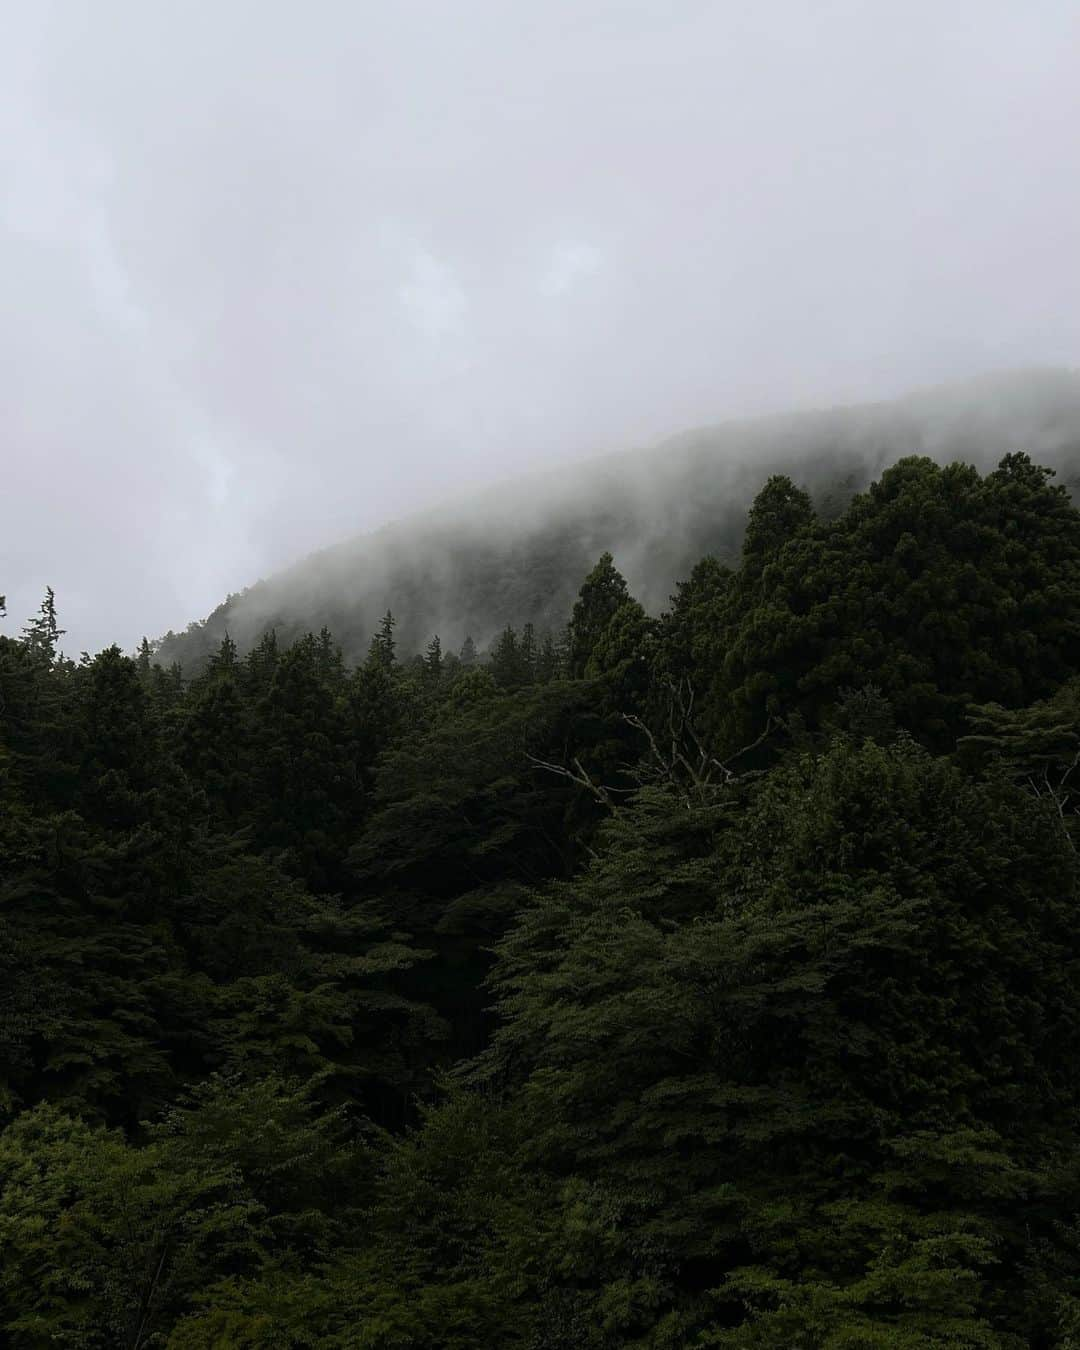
[(273, 274), (517, 553)]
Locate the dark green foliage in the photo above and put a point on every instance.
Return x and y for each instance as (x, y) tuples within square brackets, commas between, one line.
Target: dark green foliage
[(709, 980), (462, 822), (509, 664), (601, 596), (109, 1244), (780, 513), (748, 1030), (938, 586), (383, 646), (105, 1243)]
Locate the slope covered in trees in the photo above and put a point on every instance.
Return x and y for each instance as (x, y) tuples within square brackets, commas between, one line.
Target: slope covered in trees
[(703, 980), (519, 552)]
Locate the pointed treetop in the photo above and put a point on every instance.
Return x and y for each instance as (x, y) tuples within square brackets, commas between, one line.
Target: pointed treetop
[(601, 594), (42, 633), (383, 646), (506, 663), (144, 656), (225, 656)]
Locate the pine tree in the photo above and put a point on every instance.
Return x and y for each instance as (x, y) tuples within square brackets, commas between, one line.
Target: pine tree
[(215, 737), (261, 663), (42, 633), (433, 661), (601, 594), (383, 646), (224, 660), (507, 663), (144, 660), (329, 661)]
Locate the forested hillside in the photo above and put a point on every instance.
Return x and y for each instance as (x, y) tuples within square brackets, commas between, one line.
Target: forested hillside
[(520, 550), (703, 980)]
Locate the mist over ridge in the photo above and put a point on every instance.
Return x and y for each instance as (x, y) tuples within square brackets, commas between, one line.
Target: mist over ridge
[(516, 552), (274, 278)]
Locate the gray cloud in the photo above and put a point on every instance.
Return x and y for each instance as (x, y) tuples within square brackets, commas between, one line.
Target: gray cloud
[(273, 273)]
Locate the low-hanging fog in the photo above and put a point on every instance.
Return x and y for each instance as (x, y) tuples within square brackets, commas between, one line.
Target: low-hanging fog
[(277, 274)]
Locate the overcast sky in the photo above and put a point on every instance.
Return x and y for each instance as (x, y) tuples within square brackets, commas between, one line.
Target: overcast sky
[(275, 272)]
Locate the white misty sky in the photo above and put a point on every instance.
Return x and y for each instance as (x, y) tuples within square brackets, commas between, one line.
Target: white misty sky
[(272, 273)]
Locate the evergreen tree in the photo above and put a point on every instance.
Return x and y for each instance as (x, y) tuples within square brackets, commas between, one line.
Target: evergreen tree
[(42, 633), (308, 793), (144, 661), (602, 593), (215, 737), (383, 646), (433, 660), (507, 660), (328, 659), (780, 512), (261, 662), (225, 659)]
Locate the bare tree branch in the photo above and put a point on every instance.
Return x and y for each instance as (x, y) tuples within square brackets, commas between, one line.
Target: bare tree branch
[(1059, 794), (577, 774), (688, 765)]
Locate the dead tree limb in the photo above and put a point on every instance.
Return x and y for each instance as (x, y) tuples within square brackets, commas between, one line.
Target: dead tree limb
[(577, 774), (686, 764)]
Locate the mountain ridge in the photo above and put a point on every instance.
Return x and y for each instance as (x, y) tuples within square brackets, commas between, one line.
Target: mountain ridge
[(518, 549)]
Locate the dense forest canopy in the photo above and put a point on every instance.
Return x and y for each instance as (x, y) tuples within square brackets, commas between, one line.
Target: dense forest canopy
[(708, 977)]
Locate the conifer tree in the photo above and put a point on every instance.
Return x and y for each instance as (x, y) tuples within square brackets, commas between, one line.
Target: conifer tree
[(601, 594), (507, 662), (224, 660), (328, 658), (261, 663), (383, 645), (43, 632), (433, 661), (779, 512), (144, 660)]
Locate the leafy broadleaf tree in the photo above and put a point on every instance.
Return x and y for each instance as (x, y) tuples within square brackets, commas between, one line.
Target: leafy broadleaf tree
[(746, 1032)]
